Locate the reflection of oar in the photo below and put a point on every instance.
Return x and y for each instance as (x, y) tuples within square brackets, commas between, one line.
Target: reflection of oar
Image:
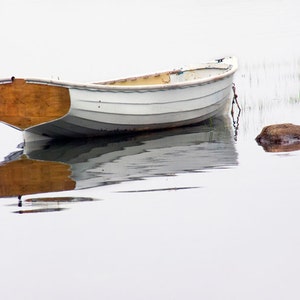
[(39, 210), (26, 176), (50, 204), (60, 199)]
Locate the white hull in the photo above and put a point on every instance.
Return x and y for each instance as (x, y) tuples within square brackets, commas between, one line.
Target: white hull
[(118, 112)]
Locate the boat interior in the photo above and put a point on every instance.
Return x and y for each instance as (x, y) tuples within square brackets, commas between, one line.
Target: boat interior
[(175, 76)]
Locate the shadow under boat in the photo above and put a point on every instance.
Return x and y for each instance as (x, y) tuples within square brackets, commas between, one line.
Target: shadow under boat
[(85, 163)]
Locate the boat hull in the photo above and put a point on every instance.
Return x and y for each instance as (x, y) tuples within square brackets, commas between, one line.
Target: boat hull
[(96, 113), (57, 109)]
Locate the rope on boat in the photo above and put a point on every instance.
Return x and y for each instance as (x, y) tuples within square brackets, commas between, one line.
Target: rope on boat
[(235, 120), (235, 96)]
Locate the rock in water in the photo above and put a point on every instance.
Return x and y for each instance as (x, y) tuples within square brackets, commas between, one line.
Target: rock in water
[(280, 137)]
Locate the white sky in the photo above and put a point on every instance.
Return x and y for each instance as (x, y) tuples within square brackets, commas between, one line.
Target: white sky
[(96, 40)]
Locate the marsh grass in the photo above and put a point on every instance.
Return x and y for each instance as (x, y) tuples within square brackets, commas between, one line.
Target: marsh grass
[(269, 92)]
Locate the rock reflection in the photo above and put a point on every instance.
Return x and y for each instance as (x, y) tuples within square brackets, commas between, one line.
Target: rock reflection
[(78, 164), (281, 147)]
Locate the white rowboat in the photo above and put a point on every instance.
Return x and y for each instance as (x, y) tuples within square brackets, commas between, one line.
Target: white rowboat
[(170, 99)]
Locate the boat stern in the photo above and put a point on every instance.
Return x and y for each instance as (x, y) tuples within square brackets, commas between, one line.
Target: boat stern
[(24, 104)]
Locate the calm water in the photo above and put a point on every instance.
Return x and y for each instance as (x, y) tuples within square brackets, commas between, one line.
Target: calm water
[(193, 213)]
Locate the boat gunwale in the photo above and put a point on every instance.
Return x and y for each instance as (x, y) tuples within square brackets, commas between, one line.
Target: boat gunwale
[(231, 62)]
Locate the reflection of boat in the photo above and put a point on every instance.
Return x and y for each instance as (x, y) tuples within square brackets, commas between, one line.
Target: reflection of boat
[(163, 100), (111, 160), (27, 176)]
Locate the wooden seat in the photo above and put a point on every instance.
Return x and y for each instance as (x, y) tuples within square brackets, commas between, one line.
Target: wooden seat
[(159, 78)]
